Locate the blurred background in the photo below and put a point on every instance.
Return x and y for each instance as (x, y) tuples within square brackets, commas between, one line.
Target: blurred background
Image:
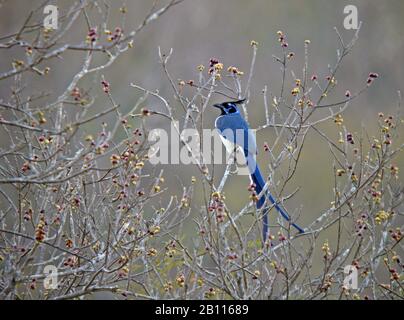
[(198, 30)]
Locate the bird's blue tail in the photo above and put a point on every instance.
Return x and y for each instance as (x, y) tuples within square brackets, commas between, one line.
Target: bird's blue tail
[(259, 182)]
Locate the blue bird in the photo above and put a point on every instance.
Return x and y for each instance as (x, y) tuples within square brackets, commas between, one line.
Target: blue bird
[(235, 131)]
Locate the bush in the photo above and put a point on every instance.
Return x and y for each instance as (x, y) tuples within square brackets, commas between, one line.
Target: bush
[(78, 202)]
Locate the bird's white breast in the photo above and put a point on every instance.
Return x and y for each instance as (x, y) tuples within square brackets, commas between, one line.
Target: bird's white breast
[(228, 144)]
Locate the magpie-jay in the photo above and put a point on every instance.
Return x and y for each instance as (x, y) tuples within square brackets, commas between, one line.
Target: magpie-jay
[(233, 130)]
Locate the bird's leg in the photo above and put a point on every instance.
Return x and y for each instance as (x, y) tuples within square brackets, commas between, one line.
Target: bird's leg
[(234, 161)]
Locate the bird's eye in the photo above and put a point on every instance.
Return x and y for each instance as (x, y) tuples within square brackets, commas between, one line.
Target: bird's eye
[(232, 109)]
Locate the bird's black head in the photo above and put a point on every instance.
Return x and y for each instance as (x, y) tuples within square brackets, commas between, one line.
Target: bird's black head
[(229, 107)]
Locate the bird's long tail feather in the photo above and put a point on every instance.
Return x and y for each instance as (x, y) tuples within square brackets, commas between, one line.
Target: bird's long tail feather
[(259, 182)]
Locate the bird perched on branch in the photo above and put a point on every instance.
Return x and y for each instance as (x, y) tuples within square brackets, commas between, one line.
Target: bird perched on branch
[(235, 131)]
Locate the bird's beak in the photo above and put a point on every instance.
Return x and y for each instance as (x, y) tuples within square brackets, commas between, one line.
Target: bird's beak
[(218, 106)]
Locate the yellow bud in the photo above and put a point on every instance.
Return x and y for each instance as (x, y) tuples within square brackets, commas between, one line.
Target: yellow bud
[(218, 66), (155, 229), (216, 194), (139, 165), (295, 91)]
